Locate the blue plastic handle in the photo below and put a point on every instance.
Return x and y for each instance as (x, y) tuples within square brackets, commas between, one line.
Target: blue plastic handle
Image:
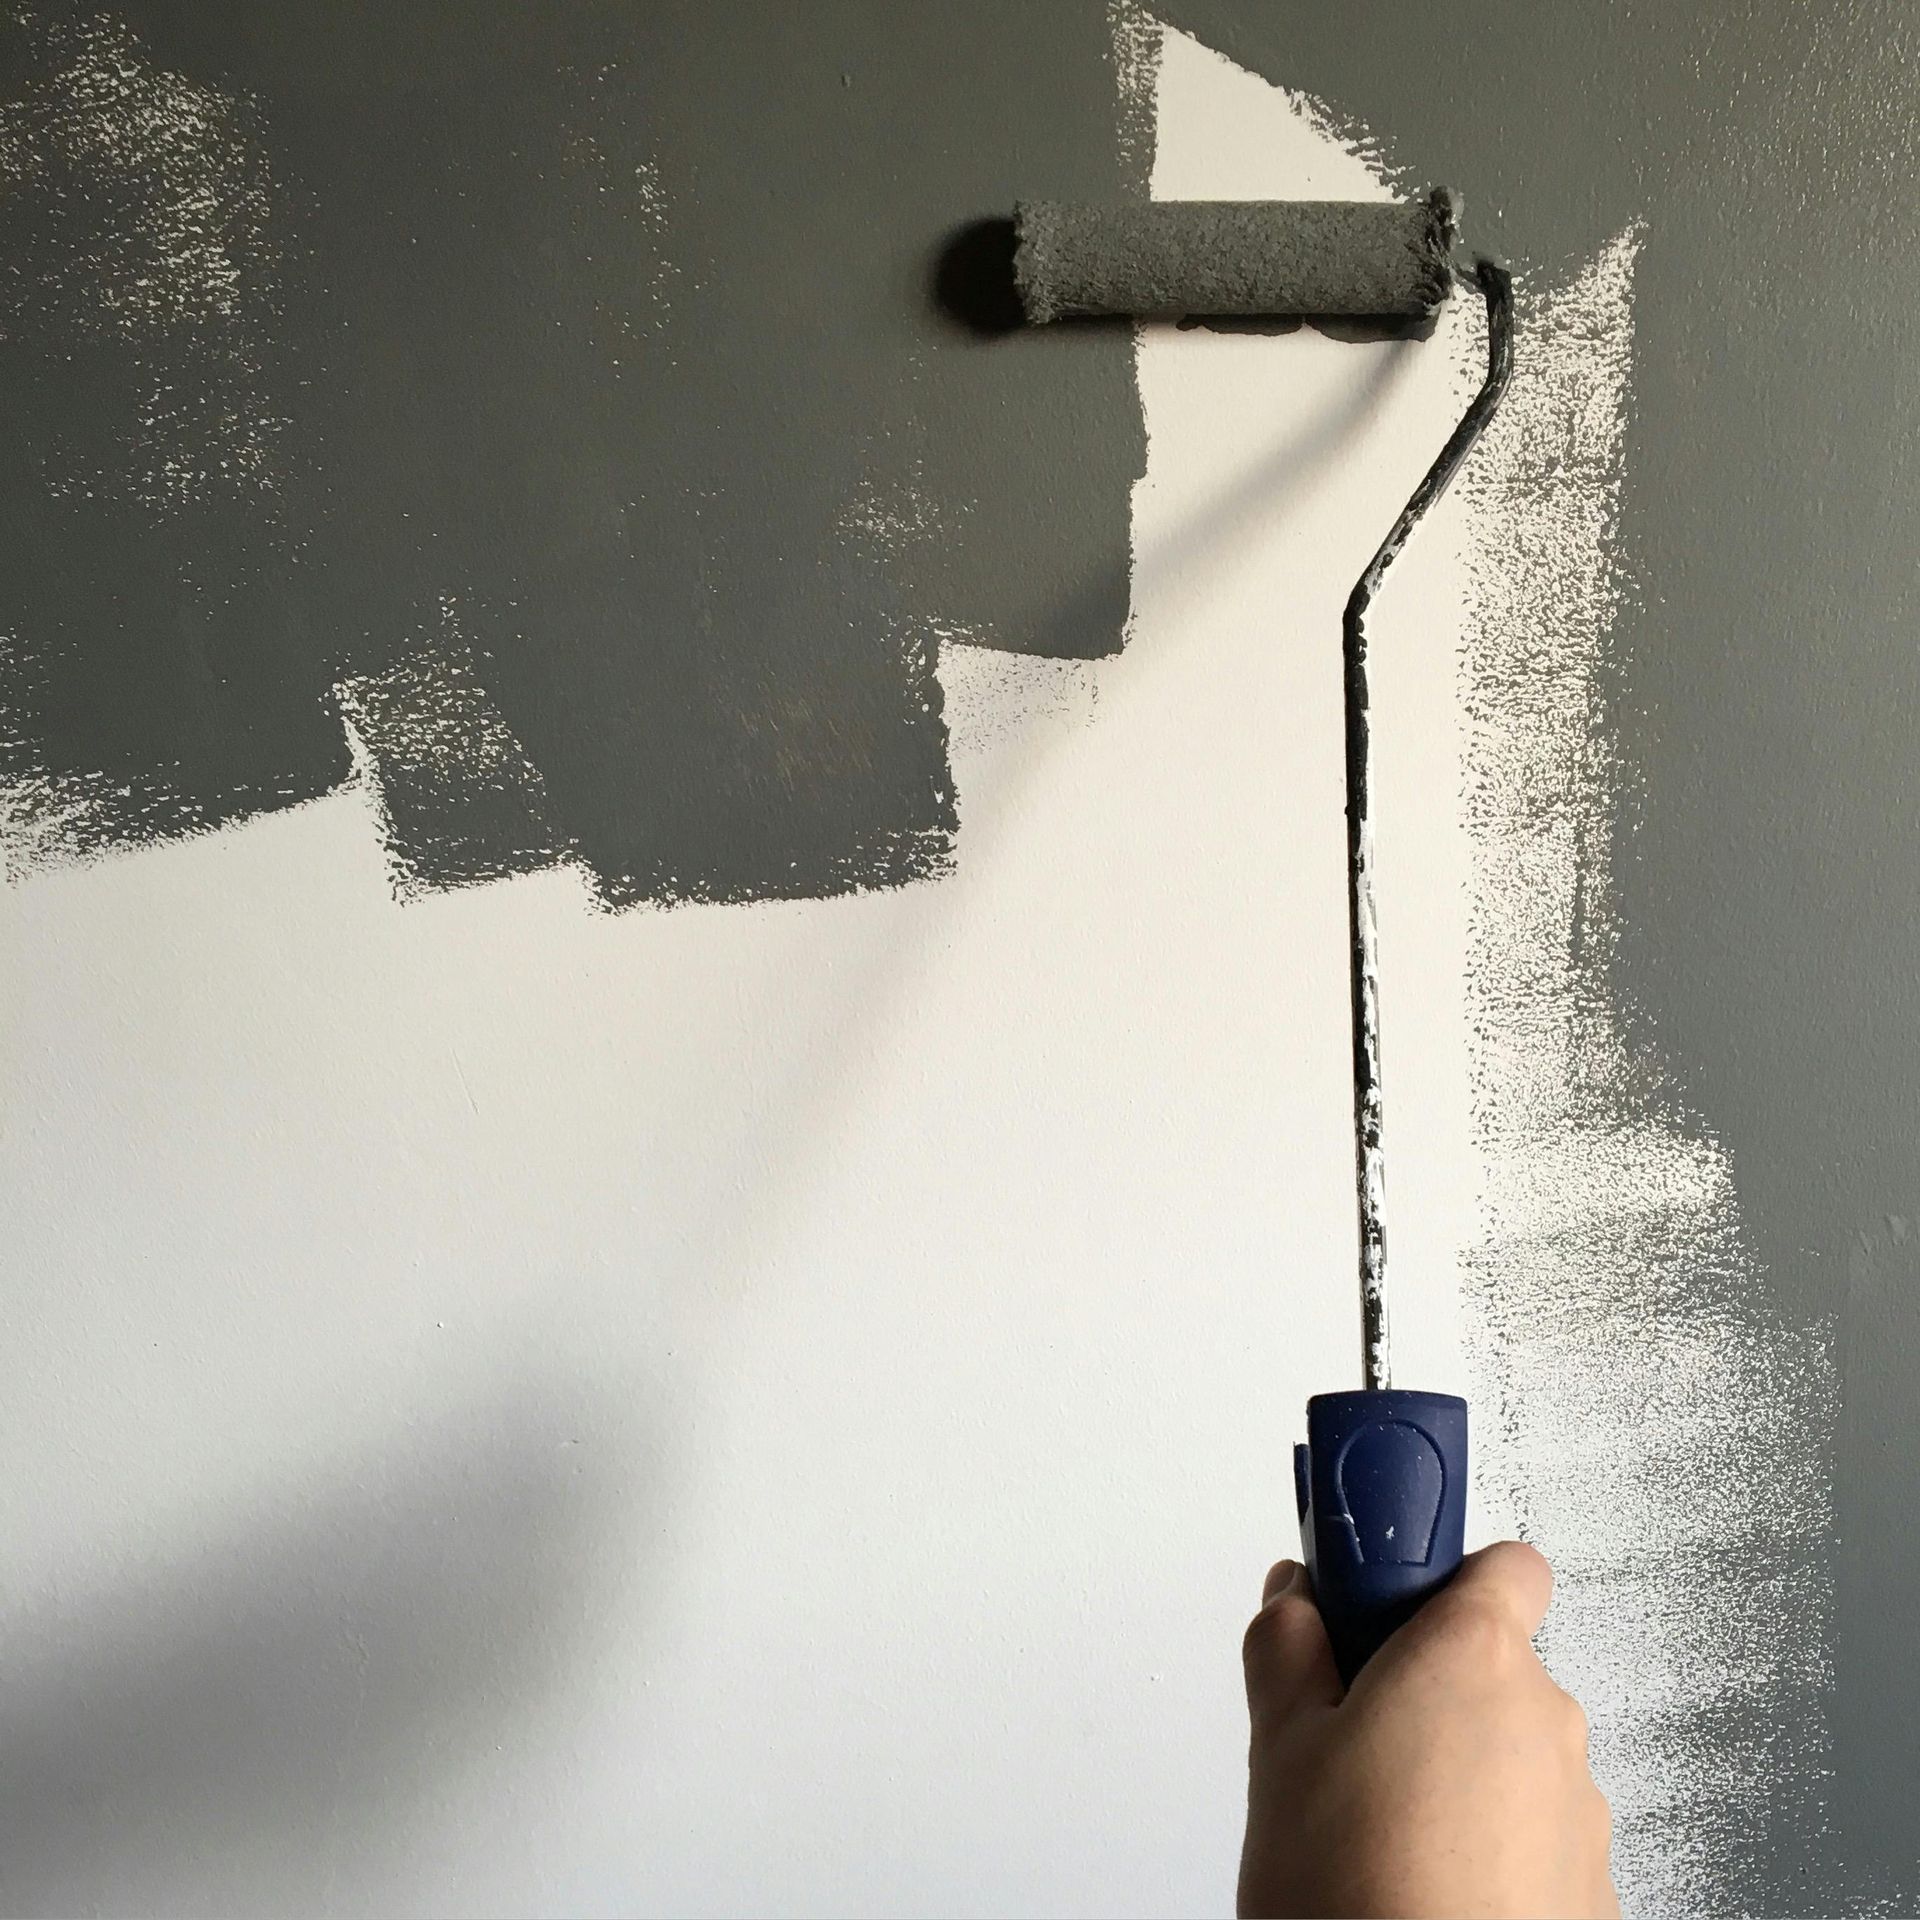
[(1382, 1486)]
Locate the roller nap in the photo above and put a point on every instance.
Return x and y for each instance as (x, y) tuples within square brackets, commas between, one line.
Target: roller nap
[(1360, 258)]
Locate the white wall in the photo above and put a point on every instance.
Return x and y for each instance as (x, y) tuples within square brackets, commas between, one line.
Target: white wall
[(773, 1409)]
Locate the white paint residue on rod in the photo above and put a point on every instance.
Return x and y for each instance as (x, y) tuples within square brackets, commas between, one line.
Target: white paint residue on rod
[(1376, 1327), (1290, 459)]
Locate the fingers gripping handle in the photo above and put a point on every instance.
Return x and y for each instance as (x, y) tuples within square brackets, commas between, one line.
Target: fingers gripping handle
[(1382, 1487)]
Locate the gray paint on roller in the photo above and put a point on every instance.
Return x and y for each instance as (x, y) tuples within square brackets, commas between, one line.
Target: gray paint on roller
[(1229, 257)]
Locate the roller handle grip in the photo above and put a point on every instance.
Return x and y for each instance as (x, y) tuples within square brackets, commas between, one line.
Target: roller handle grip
[(1382, 1488)]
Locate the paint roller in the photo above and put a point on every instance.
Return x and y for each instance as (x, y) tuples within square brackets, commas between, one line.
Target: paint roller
[(1381, 1480)]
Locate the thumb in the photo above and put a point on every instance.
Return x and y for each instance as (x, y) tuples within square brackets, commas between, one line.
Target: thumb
[(1288, 1659), (1508, 1578)]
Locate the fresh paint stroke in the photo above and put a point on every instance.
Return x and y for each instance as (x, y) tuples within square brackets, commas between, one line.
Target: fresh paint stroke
[(1616, 1324), (549, 419), (1619, 1325)]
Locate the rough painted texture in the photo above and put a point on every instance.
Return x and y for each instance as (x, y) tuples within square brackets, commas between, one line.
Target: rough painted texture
[(1621, 1326), (155, 671), (1215, 257), (617, 329)]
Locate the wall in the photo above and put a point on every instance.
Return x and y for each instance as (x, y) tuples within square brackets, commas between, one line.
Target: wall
[(532, 1402)]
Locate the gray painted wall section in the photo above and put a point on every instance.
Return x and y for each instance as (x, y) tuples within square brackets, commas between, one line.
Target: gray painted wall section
[(609, 430)]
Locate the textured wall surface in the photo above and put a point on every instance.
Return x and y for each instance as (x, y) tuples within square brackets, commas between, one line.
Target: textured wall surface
[(522, 1401)]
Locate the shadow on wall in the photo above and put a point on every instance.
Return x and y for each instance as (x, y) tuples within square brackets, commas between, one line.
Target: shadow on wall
[(269, 1710), (973, 279)]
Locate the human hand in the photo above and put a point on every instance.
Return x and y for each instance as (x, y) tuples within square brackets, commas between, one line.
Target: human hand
[(1451, 1780)]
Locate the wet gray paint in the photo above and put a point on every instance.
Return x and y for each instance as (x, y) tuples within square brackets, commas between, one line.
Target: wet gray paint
[(1768, 676), (603, 340), (724, 694), (1174, 258)]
